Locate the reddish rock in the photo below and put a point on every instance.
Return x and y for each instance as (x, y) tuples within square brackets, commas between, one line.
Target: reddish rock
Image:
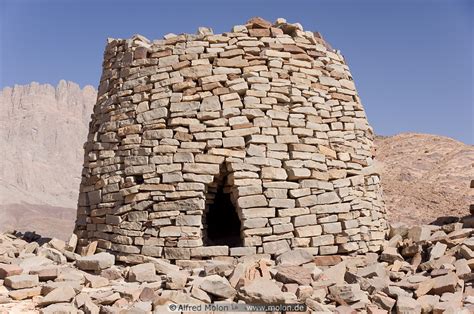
[(259, 32), (446, 283), (329, 260), (9, 270), (293, 274), (258, 22)]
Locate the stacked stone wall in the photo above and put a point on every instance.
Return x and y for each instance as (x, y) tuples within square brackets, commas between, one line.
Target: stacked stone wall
[(267, 112)]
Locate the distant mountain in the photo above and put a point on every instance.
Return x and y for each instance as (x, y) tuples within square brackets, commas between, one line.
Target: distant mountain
[(43, 128), (425, 176), (42, 132)]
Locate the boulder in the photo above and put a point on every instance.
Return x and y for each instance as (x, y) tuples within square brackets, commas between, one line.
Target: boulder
[(60, 308), (27, 293), (438, 250), (21, 281), (95, 281), (161, 266), (218, 286), (383, 301), (96, 262), (45, 272), (390, 255), (176, 280), (293, 274), (52, 254), (58, 295), (419, 233), (7, 270), (142, 273), (407, 305), (428, 302), (446, 283), (348, 293), (262, 291)]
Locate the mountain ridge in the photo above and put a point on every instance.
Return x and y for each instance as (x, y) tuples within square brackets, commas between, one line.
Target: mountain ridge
[(42, 126)]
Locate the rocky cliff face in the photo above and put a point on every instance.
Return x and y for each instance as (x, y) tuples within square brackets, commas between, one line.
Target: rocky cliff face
[(425, 176), (42, 131)]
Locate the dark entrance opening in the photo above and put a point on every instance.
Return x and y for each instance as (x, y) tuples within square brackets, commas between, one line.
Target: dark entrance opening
[(138, 179), (223, 223)]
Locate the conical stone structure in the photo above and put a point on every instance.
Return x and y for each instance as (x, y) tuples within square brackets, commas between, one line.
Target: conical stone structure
[(251, 141)]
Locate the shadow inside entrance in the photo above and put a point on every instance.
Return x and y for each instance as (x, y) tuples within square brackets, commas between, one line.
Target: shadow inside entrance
[(223, 223)]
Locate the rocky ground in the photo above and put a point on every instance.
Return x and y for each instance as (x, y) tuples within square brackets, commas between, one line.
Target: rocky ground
[(423, 269)]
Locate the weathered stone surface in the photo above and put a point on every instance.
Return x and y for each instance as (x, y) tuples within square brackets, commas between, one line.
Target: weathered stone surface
[(419, 233), (142, 273), (327, 260), (296, 274), (59, 308), (58, 295), (95, 281), (7, 270), (276, 247), (45, 272), (210, 251), (252, 201), (97, 261), (407, 305), (438, 250), (217, 286), (390, 254), (446, 283), (21, 281), (427, 302), (176, 280), (26, 293), (262, 291), (346, 293), (161, 266), (294, 257)]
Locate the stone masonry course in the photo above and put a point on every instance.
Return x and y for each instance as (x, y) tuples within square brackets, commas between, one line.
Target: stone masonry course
[(250, 141)]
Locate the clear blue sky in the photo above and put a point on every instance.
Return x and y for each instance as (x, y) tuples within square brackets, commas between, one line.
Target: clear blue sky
[(411, 60)]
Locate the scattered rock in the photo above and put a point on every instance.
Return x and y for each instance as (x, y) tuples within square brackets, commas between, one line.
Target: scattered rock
[(96, 281), (21, 281), (142, 273), (438, 250), (7, 270), (419, 233), (58, 295), (408, 305), (293, 274), (218, 286), (329, 260), (344, 294), (27, 293), (390, 254), (435, 279), (96, 262), (262, 291), (59, 308), (446, 283)]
